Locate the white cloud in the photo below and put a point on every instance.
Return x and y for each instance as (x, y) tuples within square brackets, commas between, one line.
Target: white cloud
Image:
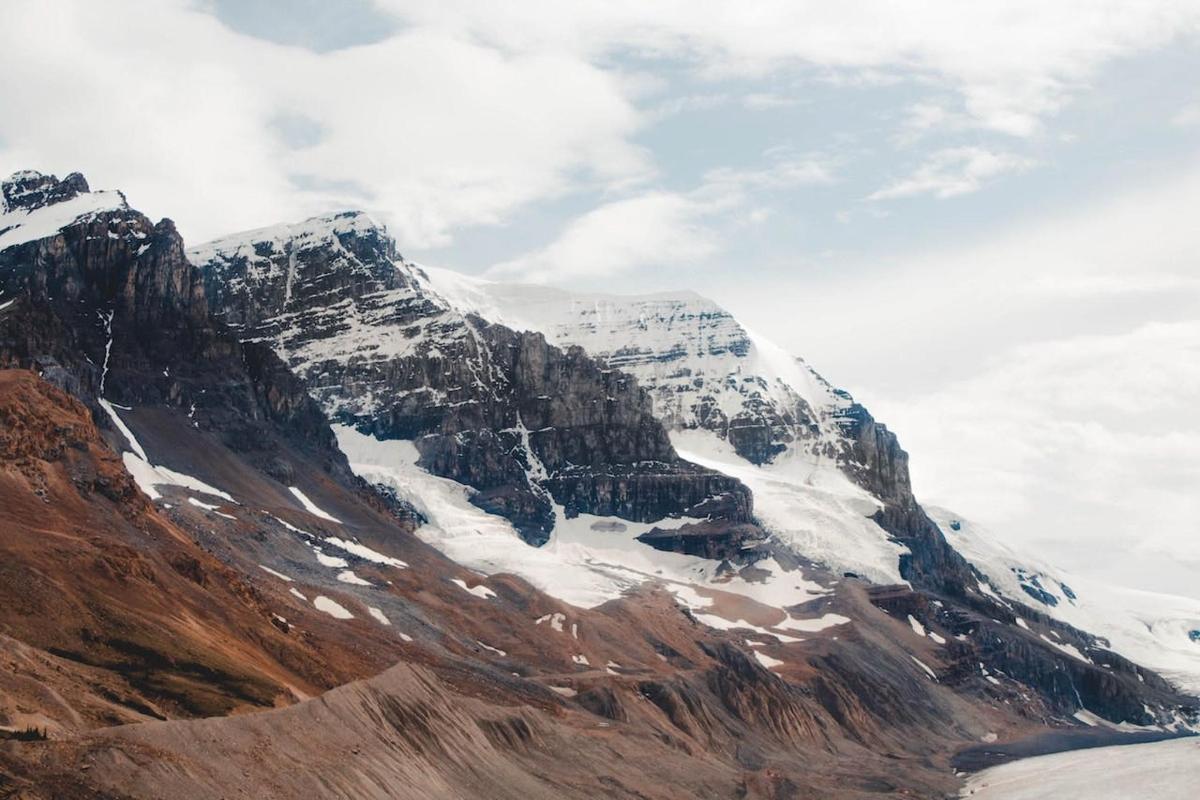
[(781, 173), (470, 112), (1187, 117), (1044, 377), (954, 171), (1123, 258), (652, 229), (660, 228), (441, 132), (1012, 63), (1086, 447), (764, 101), (927, 117)]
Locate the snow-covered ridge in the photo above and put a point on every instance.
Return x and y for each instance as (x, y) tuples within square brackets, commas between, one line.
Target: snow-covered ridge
[(258, 243), (702, 367), (19, 225), (733, 401), (1151, 629)]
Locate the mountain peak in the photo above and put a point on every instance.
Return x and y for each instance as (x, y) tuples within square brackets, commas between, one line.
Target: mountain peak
[(30, 189), (312, 231), (36, 205)]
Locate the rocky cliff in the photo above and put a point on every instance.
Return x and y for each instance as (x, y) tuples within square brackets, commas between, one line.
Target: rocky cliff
[(104, 301), (706, 373), (527, 424)]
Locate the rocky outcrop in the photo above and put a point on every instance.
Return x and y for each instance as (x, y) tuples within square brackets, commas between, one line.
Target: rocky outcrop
[(525, 423), (109, 305), (872, 455), (720, 541), (30, 190)]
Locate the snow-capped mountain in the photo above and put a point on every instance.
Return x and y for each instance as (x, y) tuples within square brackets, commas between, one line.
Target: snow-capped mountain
[(818, 465), (712, 380), (307, 476), (702, 367), (396, 352), (473, 373), (1161, 631), (528, 425)]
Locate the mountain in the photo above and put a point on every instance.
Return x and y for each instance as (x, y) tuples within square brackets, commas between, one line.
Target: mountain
[(712, 380), (526, 424), (829, 485), (1158, 630), (114, 457), (286, 514), (817, 461), (391, 351)]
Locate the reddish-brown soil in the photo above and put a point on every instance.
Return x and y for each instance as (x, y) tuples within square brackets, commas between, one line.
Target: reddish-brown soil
[(125, 620)]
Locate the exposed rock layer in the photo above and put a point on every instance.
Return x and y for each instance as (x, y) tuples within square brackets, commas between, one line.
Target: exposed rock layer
[(522, 421)]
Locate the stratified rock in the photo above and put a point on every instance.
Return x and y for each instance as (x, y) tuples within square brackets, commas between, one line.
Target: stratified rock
[(110, 305), (525, 423)]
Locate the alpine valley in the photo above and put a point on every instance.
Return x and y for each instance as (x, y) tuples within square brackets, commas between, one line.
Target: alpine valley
[(287, 515)]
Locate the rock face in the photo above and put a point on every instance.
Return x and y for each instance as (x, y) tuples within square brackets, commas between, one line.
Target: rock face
[(705, 372), (524, 422), (30, 190), (104, 300), (700, 366)]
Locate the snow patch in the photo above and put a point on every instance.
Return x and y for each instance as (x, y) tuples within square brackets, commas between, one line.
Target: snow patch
[(330, 561), (807, 503), (928, 671), (147, 476), (310, 506), (1069, 649), (364, 552), (332, 607), (766, 660), (348, 576), (20, 226), (270, 571), (813, 625), (478, 591), (495, 650), (555, 620)]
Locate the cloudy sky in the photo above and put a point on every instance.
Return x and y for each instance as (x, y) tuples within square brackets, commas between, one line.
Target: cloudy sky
[(982, 219)]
